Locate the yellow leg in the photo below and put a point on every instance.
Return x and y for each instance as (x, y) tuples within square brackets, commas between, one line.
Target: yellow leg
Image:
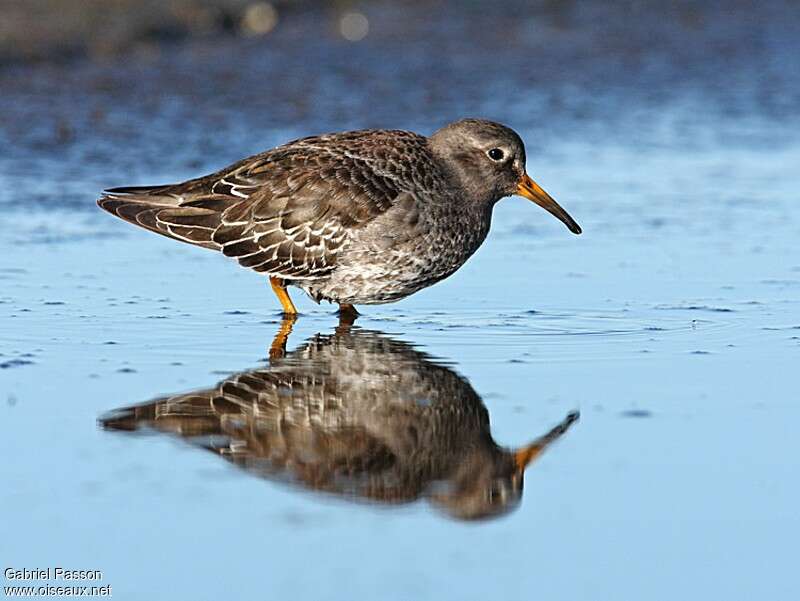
[(279, 288), (278, 348)]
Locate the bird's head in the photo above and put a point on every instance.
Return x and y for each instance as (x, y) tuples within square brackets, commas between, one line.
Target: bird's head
[(489, 479), (488, 160)]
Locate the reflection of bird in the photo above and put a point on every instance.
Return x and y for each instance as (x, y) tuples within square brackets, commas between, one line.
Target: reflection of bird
[(359, 217), (357, 414)]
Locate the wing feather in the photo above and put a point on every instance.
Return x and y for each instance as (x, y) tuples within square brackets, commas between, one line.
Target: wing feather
[(287, 212)]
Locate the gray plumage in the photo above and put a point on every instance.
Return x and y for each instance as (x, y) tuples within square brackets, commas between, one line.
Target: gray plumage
[(359, 217)]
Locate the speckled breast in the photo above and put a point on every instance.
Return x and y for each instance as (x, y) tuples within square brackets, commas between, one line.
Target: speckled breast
[(405, 250)]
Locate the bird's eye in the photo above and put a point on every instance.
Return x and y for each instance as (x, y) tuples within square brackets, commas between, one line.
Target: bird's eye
[(496, 154)]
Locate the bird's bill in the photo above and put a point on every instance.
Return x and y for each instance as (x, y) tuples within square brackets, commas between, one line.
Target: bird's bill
[(532, 191), (524, 456)]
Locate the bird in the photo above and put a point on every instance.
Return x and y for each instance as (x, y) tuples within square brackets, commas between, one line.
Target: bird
[(353, 218), (357, 415)]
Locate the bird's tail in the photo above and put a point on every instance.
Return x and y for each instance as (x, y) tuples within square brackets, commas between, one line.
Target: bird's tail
[(156, 209), (191, 414)]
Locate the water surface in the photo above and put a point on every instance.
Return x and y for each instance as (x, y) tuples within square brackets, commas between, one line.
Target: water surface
[(672, 324)]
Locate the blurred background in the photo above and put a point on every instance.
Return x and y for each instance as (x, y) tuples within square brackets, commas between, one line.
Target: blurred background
[(669, 130), (98, 93)]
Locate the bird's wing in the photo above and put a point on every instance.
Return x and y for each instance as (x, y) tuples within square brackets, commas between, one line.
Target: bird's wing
[(286, 212), (253, 420)]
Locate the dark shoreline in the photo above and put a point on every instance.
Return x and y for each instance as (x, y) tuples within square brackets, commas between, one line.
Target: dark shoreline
[(49, 31), (52, 31)]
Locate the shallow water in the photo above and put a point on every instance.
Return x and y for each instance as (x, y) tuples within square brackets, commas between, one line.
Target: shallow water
[(672, 324)]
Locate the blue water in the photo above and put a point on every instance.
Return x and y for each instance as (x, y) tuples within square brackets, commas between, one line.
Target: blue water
[(672, 324)]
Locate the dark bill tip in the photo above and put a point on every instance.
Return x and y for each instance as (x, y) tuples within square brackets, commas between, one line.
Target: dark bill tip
[(532, 191)]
